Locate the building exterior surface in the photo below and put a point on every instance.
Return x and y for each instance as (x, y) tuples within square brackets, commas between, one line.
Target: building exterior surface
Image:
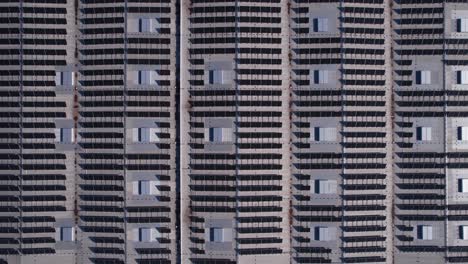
[(221, 132)]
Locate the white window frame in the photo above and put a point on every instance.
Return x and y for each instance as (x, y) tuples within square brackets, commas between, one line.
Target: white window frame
[(423, 134), (424, 232), (423, 77), (324, 134)]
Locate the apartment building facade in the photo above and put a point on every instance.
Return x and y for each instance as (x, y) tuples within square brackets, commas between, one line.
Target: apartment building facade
[(247, 131)]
